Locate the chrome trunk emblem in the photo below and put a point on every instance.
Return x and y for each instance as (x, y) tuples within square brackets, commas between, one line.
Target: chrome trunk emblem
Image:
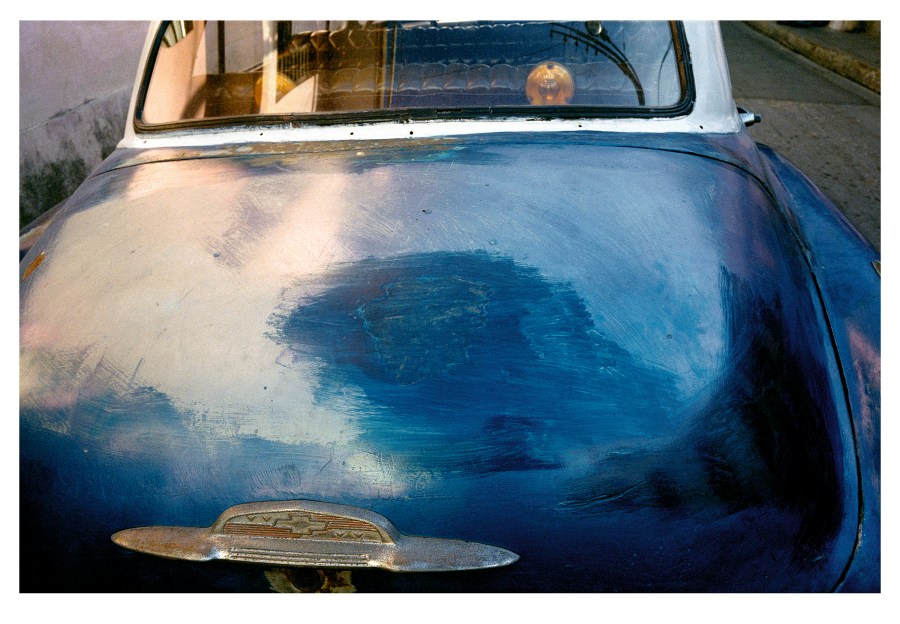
[(315, 535)]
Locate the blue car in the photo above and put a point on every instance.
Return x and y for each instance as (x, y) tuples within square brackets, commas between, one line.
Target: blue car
[(447, 307)]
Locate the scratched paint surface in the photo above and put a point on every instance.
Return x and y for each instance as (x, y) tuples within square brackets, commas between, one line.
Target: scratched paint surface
[(569, 349), (470, 362)]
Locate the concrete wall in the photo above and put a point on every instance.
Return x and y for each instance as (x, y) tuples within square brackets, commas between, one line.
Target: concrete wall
[(75, 81)]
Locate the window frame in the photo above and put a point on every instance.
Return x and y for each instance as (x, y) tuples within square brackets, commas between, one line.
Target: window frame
[(681, 108)]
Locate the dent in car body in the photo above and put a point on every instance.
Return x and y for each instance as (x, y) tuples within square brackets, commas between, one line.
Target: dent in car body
[(621, 339)]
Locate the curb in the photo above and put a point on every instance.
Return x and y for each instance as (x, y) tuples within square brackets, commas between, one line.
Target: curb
[(838, 62)]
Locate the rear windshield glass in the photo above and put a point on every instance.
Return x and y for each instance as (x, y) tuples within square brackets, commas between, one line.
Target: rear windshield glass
[(238, 71)]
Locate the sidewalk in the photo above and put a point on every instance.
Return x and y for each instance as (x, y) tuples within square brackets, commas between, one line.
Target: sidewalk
[(856, 56)]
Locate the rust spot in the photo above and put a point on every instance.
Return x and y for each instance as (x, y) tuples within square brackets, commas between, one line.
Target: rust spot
[(34, 264)]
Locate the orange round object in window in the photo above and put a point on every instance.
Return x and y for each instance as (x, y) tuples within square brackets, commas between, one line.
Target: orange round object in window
[(283, 85), (549, 84)]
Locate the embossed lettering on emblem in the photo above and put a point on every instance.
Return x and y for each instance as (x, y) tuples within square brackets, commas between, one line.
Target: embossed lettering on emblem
[(296, 525)]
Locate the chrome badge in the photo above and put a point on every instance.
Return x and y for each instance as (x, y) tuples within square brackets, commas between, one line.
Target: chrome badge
[(312, 534)]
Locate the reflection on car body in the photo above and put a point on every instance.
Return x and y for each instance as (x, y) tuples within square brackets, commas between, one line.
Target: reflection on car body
[(426, 306)]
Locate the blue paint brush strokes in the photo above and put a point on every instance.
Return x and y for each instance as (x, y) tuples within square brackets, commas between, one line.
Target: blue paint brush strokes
[(472, 362)]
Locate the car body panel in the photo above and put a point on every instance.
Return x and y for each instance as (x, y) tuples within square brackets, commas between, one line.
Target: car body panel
[(605, 353), (848, 276)]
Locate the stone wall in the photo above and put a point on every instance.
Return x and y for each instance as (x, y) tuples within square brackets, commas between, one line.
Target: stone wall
[(75, 83)]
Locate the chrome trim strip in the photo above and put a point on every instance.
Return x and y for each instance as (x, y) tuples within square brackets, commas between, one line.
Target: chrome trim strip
[(312, 534)]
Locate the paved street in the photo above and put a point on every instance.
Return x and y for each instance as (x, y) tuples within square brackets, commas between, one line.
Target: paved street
[(826, 125)]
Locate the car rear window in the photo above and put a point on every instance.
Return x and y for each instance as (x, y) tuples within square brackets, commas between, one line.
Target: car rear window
[(227, 72)]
